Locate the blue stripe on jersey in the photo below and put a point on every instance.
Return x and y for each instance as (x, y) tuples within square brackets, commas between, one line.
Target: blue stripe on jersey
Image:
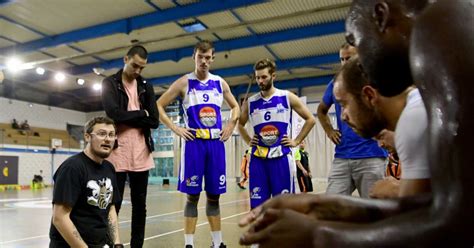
[(194, 84), (271, 103)]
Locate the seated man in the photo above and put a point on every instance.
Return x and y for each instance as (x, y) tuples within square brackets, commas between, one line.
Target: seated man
[(15, 124)]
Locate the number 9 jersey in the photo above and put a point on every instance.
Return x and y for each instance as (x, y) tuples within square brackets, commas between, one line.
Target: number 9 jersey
[(202, 106), (271, 120)]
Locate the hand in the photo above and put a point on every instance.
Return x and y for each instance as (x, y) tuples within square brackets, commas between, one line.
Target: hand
[(288, 142), (184, 133), (302, 203), (280, 228), (254, 140), (309, 175), (227, 131), (385, 188), (335, 136), (305, 173)]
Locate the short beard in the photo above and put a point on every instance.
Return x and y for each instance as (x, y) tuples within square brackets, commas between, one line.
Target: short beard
[(267, 87), (373, 126)]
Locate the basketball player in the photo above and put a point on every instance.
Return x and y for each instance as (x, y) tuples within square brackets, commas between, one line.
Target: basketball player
[(203, 154), (272, 167)]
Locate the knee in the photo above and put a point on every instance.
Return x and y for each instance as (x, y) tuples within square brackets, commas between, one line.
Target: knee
[(212, 207), (190, 210)]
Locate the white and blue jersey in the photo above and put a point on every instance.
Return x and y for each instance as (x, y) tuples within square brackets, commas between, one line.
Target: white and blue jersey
[(202, 106), (272, 167), (203, 159), (271, 120)]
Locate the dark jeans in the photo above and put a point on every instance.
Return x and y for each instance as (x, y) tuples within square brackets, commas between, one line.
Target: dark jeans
[(138, 182)]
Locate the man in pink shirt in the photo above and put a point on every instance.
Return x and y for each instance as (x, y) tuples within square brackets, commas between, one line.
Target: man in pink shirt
[(130, 102)]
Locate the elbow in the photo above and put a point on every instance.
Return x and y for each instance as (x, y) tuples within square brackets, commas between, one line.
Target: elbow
[(56, 220)]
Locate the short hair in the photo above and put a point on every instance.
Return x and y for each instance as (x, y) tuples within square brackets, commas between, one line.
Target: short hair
[(204, 46), (138, 49), (345, 46), (353, 77), (89, 126), (265, 63)]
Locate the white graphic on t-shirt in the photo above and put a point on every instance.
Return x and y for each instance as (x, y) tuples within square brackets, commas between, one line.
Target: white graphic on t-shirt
[(101, 192)]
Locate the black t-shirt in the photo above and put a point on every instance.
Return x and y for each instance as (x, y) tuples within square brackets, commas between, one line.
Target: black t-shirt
[(90, 189), (304, 161)]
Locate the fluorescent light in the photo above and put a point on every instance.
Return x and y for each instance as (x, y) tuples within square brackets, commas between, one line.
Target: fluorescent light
[(14, 64), (80, 81), (59, 76), (97, 86), (40, 71)]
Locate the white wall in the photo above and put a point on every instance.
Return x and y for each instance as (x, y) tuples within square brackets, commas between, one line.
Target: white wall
[(30, 163), (39, 115)]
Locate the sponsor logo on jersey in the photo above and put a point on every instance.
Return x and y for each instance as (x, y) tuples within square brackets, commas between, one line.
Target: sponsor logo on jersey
[(192, 181), (208, 116), (254, 194), (269, 134)]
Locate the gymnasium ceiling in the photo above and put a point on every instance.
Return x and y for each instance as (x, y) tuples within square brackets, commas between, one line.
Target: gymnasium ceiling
[(74, 37)]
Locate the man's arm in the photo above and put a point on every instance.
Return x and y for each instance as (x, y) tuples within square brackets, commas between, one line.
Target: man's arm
[(244, 116), (176, 89), (111, 105), (66, 228), (322, 113), (304, 112), (234, 112), (113, 225)]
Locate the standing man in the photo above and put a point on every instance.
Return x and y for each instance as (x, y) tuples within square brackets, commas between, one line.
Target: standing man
[(358, 162), (244, 169), (203, 153), (303, 172), (130, 102), (272, 166), (85, 193)]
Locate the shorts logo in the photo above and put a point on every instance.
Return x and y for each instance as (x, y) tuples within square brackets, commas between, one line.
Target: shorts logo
[(208, 116), (285, 191), (254, 194), (269, 134), (191, 181)]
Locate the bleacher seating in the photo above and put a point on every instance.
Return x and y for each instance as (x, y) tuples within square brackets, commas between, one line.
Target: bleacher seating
[(8, 135)]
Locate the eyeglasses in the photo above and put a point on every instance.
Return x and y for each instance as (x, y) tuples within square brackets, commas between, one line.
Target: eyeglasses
[(103, 135)]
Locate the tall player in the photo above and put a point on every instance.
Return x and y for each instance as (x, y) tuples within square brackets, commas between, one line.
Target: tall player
[(203, 154), (272, 168)]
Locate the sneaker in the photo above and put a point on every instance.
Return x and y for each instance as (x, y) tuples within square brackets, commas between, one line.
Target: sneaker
[(220, 246), (240, 186)]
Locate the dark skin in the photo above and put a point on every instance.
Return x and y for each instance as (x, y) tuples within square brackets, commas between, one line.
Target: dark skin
[(443, 73)]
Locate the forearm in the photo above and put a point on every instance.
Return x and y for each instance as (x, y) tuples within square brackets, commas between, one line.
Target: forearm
[(164, 117), (347, 208), (68, 231), (397, 231), (244, 134), (308, 125), (325, 122), (300, 166), (235, 114), (113, 226)]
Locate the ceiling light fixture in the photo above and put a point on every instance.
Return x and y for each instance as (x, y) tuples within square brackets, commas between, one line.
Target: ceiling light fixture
[(80, 81), (14, 64), (97, 86), (40, 71), (59, 76)]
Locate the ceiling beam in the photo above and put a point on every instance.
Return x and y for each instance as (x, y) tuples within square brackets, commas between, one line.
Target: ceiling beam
[(130, 24), (225, 45)]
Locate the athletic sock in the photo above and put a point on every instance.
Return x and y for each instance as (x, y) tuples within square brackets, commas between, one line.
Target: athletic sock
[(189, 239), (216, 238)]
